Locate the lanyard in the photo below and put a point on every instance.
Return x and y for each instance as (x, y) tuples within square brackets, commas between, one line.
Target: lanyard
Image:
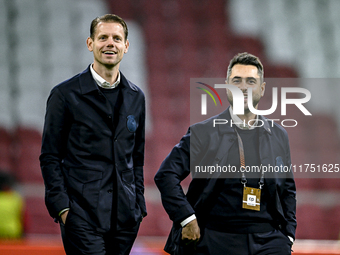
[(243, 165)]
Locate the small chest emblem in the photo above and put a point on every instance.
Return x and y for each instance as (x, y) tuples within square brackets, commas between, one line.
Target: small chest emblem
[(131, 123), (279, 161)]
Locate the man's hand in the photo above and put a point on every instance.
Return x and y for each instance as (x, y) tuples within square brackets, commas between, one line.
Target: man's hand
[(191, 232), (63, 216)]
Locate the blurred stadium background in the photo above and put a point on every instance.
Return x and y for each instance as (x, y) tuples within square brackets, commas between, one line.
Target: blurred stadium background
[(42, 42)]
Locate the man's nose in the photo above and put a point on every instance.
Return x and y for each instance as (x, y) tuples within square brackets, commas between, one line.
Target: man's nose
[(110, 42), (243, 85)]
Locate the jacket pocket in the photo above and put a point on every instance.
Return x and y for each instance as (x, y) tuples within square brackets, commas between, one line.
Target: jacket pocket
[(85, 175), (86, 183)]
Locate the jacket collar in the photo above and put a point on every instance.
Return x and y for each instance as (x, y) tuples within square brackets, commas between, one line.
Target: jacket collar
[(88, 84), (101, 82), (227, 128)]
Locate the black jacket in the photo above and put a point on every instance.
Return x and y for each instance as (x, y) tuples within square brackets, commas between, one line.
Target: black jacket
[(205, 145), (86, 160)]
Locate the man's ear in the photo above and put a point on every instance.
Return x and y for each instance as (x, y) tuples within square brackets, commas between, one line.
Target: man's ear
[(127, 44), (263, 88), (89, 43)]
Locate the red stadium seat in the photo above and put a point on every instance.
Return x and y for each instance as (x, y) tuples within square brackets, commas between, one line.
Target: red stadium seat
[(6, 157), (304, 184), (157, 225), (39, 221), (27, 151), (311, 222), (248, 44), (124, 9)]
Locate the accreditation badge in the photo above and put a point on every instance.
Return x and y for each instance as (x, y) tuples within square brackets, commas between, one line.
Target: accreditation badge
[(251, 198)]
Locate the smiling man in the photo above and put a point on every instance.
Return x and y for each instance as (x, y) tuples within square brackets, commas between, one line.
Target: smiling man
[(238, 212), (92, 152)]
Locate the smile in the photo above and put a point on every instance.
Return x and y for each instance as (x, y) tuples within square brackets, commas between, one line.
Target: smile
[(109, 52)]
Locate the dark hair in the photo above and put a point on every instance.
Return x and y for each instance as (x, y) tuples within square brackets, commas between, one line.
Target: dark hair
[(109, 18), (246, 58)]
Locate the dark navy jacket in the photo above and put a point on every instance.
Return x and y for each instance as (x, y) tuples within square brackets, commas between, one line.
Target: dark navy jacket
[(207, 145), (86, 160)]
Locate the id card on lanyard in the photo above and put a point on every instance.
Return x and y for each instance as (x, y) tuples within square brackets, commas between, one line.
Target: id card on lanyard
[(251, 198)]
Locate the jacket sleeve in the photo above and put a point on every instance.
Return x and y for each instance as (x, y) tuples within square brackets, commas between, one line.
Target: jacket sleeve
[(138, 160), (174, 169), (288, 198), (52, 152)]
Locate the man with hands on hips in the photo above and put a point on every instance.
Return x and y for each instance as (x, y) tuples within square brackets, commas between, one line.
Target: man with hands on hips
[(217, 215)]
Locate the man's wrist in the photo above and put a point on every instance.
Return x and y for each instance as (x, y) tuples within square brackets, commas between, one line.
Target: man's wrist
[(62, 211), (187, 220), (291, 239)]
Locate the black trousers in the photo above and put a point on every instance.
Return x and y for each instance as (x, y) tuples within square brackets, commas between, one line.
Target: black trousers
[(79, 238), (268, 243)]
